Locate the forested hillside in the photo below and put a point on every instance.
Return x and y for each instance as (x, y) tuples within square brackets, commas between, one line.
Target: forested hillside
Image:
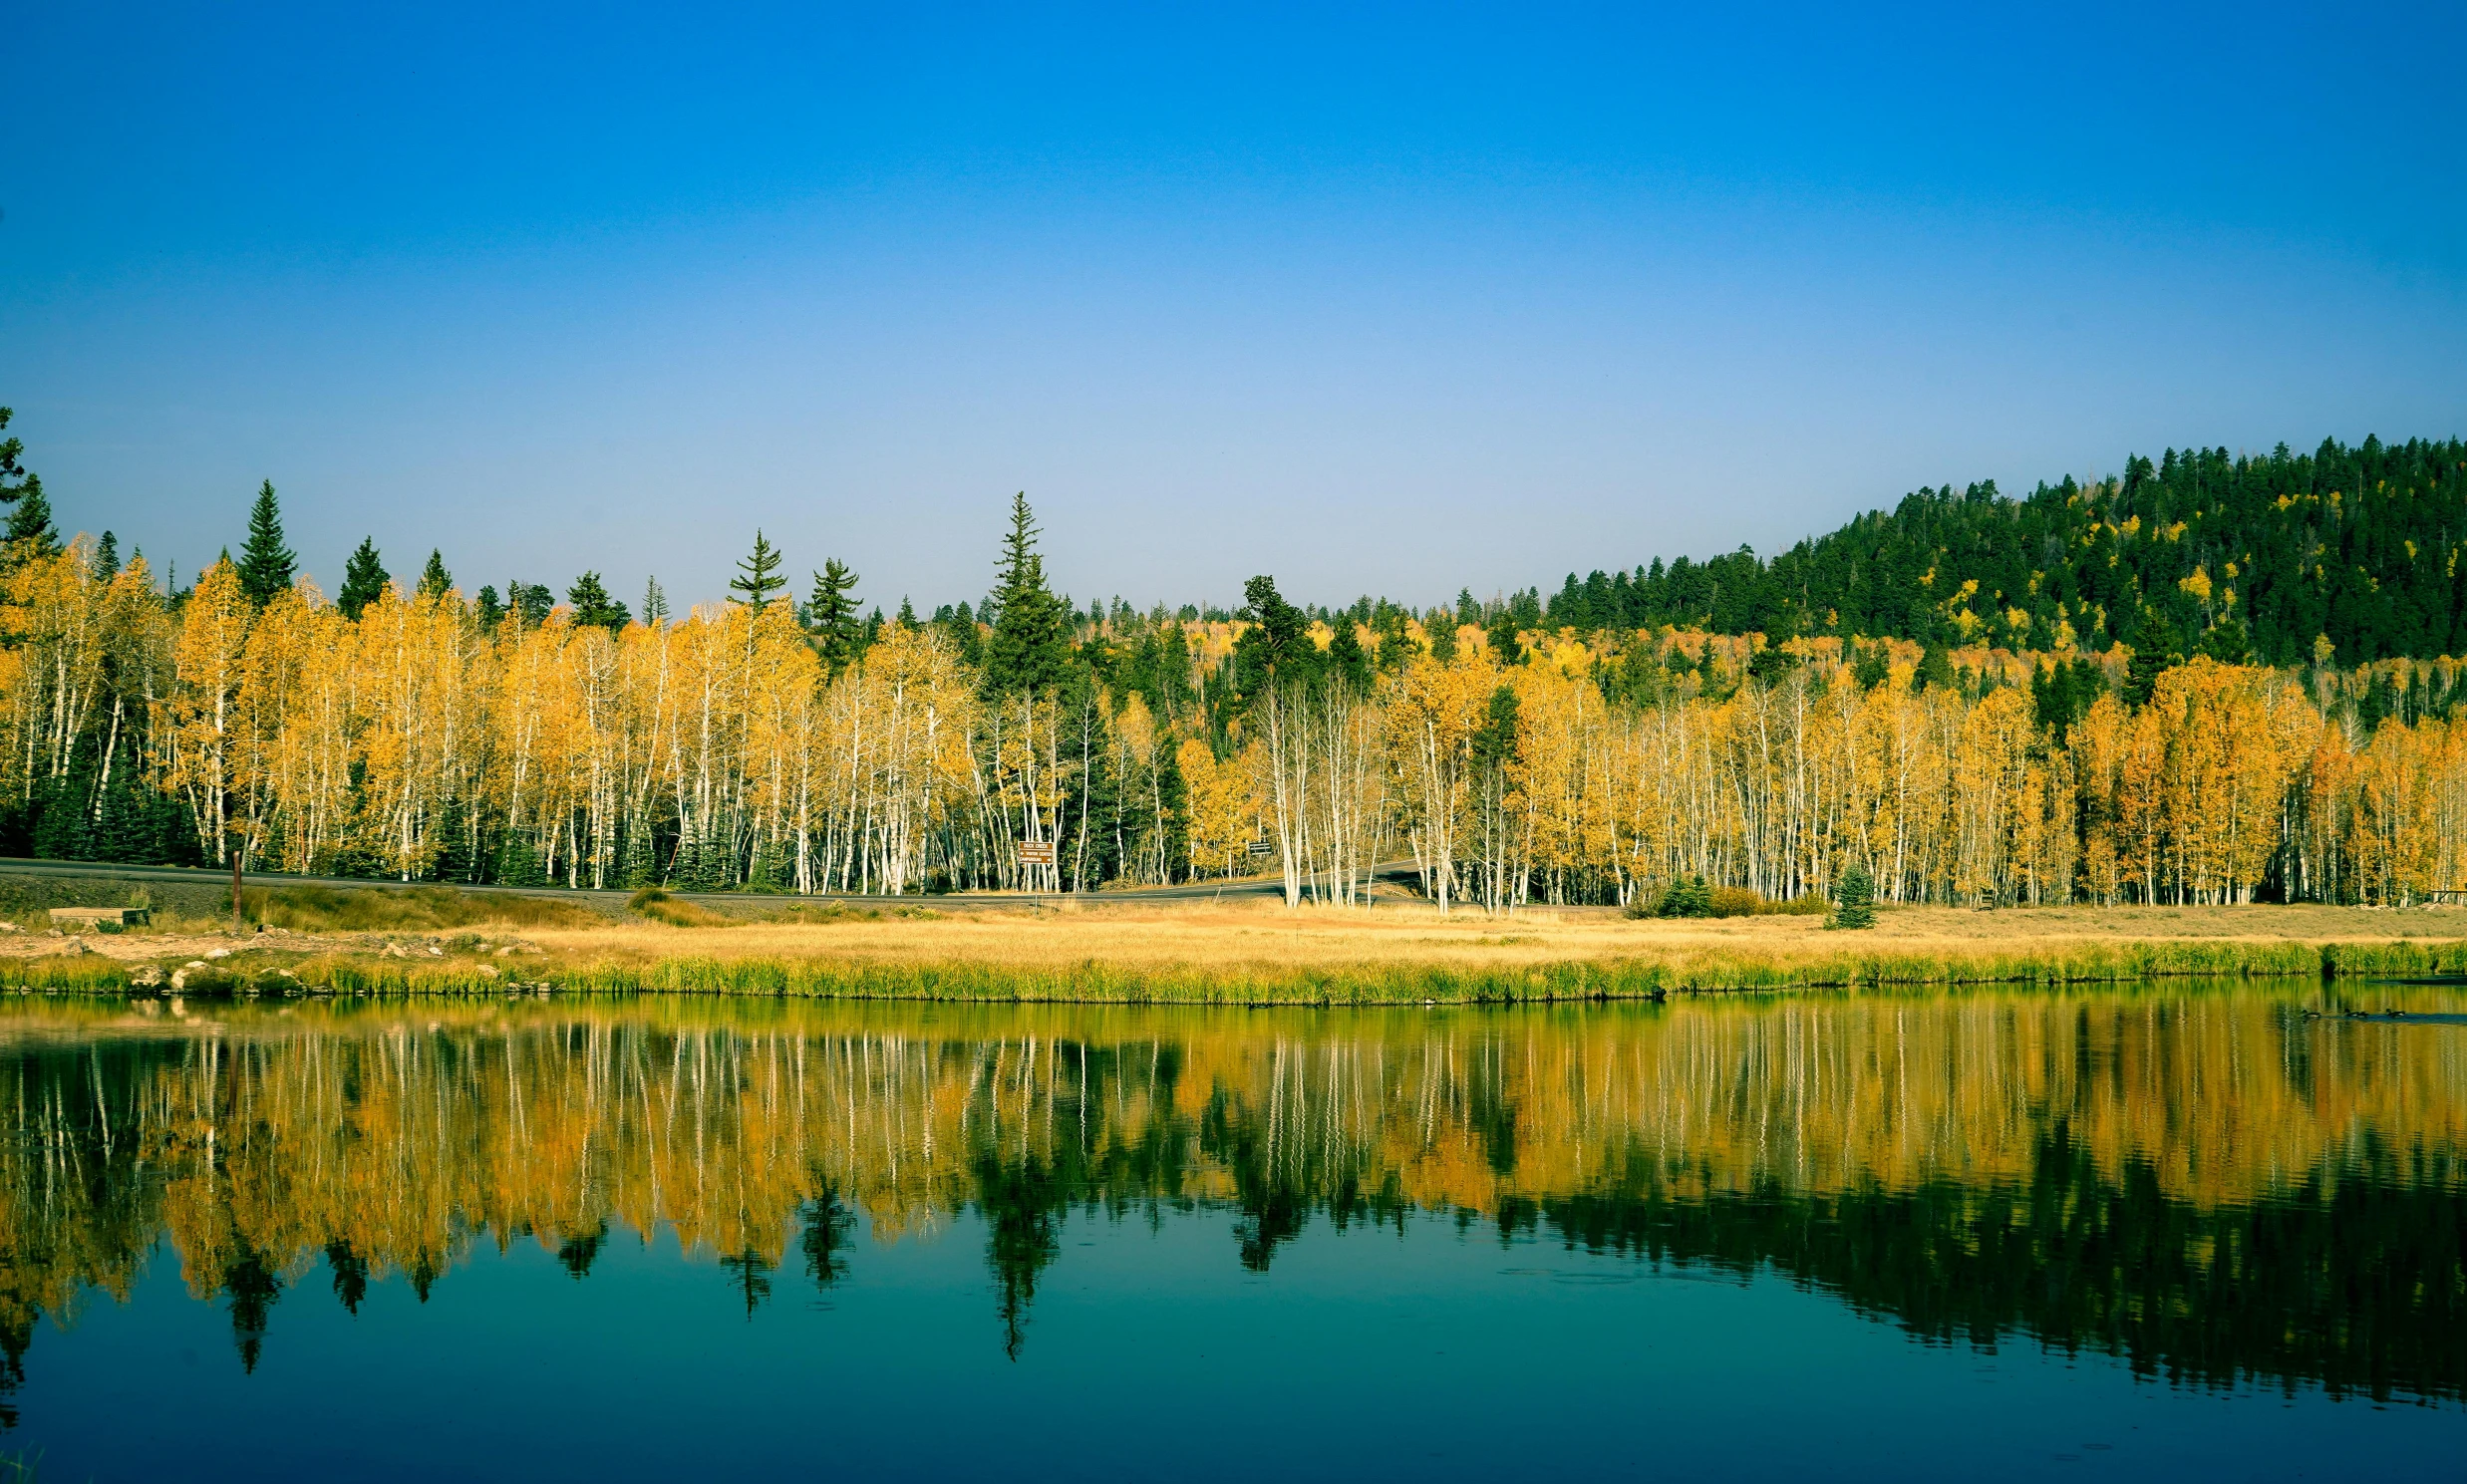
[(404, 731), (2227, 555)]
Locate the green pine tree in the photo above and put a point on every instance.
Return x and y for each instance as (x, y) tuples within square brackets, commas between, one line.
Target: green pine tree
[(364, 580), (2157, 647), (831, 614), (1030, 648), (434, 580), (13, 475), (29, 531), (758, 578), (655, 602), (1854, 899), (593, 607), (266, 564), (1934, 668), (107, 558)]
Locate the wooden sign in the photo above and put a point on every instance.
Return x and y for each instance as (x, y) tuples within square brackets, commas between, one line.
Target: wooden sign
[(1260, 847), (1036, 852)]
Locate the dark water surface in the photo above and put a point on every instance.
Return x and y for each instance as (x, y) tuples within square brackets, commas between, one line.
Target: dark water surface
[(2178, 1229)]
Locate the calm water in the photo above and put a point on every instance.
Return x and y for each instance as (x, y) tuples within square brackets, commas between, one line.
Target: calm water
[(2168, 1230)]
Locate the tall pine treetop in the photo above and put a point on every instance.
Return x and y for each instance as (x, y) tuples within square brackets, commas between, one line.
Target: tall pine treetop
[(1030, 648), (29, 531), (364, 580), (758, 578), (831, 615), (266, 564), (13, 475), (594, 607), (434, 580)]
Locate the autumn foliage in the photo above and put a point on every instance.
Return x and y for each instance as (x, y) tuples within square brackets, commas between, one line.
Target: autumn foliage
[(419, 742)]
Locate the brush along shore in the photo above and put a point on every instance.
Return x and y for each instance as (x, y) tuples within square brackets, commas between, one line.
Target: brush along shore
[(433, 941)]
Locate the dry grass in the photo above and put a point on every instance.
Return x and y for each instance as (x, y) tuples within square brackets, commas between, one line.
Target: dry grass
[(1261, 935), (1254, 952)]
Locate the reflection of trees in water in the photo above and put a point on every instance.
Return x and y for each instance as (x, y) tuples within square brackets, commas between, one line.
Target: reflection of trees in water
[(2189, 1179)]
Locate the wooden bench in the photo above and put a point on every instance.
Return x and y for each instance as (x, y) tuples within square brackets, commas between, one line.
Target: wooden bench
[(79, 919)]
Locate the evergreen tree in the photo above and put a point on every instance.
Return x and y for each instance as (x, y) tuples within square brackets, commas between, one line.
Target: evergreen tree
[(593, 607), (491, 612), (831, 615), (29, 531), (1874, 667), (655, 602), (1346, 660), (266, 564), (642, 855), (434, 581), (1934, 668), (107, 558), (364, 580), (758, 578), (14, 479), (1854, 899), (2156, 647), (2228, 641), (532, 600), (1029, 649), (1689, 896), (1277, 645)]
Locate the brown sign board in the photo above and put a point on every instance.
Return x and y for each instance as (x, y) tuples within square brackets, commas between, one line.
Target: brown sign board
[(1260, 847), (1036, 852)]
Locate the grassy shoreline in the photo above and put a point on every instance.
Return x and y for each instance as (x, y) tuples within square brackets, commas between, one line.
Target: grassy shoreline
[(1253, 955)]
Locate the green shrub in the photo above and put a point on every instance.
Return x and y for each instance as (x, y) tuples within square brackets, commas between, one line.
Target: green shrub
[(1854, 899)]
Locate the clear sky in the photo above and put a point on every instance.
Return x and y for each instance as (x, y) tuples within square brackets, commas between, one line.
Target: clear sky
[(1390, 301)]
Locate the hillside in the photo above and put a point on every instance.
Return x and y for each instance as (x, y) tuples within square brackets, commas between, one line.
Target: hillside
[(2231, 554)]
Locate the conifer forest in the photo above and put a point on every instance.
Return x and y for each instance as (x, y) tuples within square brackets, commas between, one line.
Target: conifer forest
[(2211, 679)]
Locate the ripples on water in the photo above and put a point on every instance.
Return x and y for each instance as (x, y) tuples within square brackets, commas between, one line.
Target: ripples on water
[(1821, 1207)]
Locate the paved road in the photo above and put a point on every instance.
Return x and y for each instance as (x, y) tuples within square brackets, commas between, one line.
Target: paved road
[(1389, 874)]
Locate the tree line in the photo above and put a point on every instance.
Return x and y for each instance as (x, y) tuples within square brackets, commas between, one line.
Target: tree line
[(2282, 557), (405, 732)]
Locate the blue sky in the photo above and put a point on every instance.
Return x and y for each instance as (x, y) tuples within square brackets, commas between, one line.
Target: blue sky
[(1393, 301)]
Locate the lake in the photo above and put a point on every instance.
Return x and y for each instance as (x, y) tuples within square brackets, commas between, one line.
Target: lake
[(2156, 1230)]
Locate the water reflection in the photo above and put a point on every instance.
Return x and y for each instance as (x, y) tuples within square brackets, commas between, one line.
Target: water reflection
[(2197, 1179)]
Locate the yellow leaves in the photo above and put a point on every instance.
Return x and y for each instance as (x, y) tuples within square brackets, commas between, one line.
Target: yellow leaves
[(2130, 527), (2198, 585), (2174, 533), (1224, 804), (2018, 620), (1566, 653)]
